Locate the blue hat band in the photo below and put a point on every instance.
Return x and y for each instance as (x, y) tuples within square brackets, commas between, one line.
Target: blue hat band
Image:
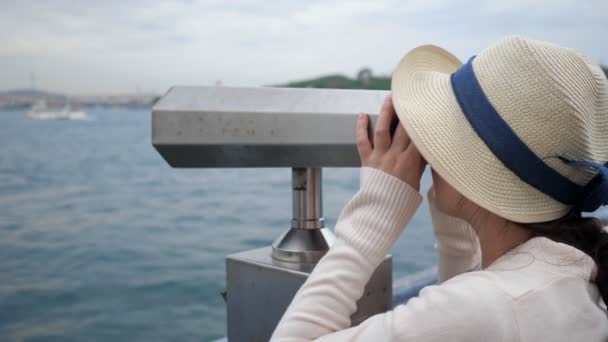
[(517, 156)]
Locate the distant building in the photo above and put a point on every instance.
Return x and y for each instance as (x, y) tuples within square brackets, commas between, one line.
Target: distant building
[(364, 76)]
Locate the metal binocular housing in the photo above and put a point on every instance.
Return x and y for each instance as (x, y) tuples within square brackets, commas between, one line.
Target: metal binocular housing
[(260, 127)]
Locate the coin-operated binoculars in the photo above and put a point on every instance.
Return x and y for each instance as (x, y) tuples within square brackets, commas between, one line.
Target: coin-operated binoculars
[(303, 129)]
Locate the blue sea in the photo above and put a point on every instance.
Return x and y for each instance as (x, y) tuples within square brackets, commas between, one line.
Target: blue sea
[(100, 240)]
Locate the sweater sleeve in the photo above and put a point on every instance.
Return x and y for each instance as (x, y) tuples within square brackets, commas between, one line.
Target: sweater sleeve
[(468, 307), (457, 245), (367, 228)]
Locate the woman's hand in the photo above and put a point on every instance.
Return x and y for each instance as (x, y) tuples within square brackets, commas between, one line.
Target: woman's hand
[(397, 156)]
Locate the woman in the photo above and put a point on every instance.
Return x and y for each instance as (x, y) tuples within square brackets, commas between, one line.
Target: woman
[(517, 140)]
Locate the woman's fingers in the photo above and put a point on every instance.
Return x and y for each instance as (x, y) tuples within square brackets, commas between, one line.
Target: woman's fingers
[(410, 165), (399, 158), (382, 134), (415, 156), (431, 193), (400, 140), (364, 146)]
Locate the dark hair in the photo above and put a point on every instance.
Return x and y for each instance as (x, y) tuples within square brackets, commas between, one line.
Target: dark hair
[(584, 233)]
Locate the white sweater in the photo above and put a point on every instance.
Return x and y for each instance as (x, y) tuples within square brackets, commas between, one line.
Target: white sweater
[(539, 291)]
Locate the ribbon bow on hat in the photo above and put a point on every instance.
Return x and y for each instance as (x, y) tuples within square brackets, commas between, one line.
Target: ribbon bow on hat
[(595, 193)]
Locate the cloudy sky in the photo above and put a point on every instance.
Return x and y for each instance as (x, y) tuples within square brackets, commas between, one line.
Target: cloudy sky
[(112, 46)]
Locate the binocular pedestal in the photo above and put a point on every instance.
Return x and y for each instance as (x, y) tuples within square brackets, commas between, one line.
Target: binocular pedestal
[(261, 283), (259, 291)]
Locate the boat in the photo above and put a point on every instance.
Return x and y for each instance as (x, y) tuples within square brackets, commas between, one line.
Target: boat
[(41, 111)]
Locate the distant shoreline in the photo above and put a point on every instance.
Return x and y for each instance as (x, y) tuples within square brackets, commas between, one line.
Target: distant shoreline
[(22, 99)]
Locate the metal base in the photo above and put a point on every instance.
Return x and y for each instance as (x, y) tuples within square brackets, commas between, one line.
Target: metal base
[(302, 246), (259, 289)]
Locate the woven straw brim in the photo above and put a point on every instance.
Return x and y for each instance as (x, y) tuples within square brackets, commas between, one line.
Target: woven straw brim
[(428, 110)]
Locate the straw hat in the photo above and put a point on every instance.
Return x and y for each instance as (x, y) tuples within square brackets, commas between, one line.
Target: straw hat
[(521, 129)]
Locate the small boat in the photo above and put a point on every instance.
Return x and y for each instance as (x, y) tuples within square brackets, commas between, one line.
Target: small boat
[(40, 111)]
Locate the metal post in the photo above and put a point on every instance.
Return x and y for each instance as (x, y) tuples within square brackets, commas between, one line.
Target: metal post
[(308, 239), (307, 198)]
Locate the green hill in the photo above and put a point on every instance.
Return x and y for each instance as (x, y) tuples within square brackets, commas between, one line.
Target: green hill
[(364, 80)]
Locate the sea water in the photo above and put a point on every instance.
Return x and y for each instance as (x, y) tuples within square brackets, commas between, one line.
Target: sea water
[(100, 240)]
